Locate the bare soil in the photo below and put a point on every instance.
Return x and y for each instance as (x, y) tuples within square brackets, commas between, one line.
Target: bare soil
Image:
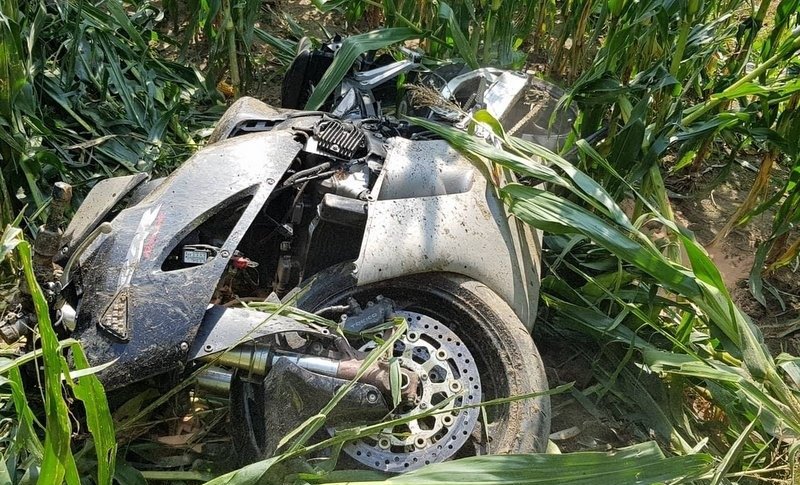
[(705, 216)]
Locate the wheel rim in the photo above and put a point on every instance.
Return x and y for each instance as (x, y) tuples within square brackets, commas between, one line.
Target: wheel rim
[(449, 380)]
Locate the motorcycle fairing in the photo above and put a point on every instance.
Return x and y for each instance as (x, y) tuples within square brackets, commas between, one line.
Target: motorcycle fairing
[(223, 328), (434, 211), (147, 318), (245, 109), (103, 197)]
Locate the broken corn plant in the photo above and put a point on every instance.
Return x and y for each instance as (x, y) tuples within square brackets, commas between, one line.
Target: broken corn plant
[(695, 333)]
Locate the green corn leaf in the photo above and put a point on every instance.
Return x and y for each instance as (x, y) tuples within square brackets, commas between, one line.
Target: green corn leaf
[(551, 213), (395, 380), (470, 144), (462, 44), (121, 19), (595, 323), (285, 50), (733, 453), (26, 437), (352, 47), (582, 185), (90, 391), (642, 463), (58, 464)]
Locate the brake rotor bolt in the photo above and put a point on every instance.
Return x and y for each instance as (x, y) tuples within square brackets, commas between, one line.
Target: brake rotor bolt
[(384, 443), (423, 405), (455, 386), (441, 354), (224, 253), (424, 377), (184, 346)]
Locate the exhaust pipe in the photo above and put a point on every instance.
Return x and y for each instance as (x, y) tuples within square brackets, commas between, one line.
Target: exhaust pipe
[(258, 360), (215, 380)]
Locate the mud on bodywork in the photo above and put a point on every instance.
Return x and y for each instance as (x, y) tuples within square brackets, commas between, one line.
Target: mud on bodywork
[(452, 221), (146, 317)]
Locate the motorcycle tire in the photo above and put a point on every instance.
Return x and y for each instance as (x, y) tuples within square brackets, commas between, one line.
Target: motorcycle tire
[(507, 359)]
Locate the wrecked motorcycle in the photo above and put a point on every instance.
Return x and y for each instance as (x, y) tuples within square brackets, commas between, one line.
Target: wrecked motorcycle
[(349, 215)]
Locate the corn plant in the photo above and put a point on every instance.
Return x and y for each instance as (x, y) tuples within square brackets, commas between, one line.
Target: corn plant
[(51, 460), (225, 31), (85, 96), (479, 33)]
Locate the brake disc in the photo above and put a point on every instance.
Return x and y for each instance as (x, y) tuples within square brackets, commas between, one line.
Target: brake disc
[(448, 380)]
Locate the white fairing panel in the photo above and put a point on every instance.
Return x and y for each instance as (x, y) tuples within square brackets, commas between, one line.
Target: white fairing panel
[(434, 211)]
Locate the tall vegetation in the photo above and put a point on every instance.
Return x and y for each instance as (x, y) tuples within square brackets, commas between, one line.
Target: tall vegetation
[(680, 320), (85, 94)]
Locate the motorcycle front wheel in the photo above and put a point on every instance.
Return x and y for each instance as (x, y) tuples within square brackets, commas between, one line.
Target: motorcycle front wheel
[(506, 362)]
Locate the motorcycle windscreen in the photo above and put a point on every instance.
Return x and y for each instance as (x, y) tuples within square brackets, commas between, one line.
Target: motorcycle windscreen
[(135, 311)]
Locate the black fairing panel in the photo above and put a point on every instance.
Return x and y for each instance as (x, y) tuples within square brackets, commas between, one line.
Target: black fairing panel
[(103, 197), (157, 313)]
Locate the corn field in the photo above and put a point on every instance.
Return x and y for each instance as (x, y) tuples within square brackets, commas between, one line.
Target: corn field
[(675, 98)]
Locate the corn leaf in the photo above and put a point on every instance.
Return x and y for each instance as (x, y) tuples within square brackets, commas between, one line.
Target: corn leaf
[(637, 464)]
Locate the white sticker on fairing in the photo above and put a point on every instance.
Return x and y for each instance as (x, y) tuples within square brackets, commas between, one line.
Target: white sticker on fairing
[(137, 244)]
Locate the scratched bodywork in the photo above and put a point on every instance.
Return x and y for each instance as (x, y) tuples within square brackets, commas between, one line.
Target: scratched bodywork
[(98, 203), (135, 312)]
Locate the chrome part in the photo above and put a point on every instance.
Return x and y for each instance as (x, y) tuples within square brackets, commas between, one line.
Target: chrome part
[(320, 365), (247, 357), (215, 380), (454, 382), (68, 317), (258, 359)]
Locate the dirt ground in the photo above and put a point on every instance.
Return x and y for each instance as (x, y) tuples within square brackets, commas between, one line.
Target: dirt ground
[(705, 216)]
